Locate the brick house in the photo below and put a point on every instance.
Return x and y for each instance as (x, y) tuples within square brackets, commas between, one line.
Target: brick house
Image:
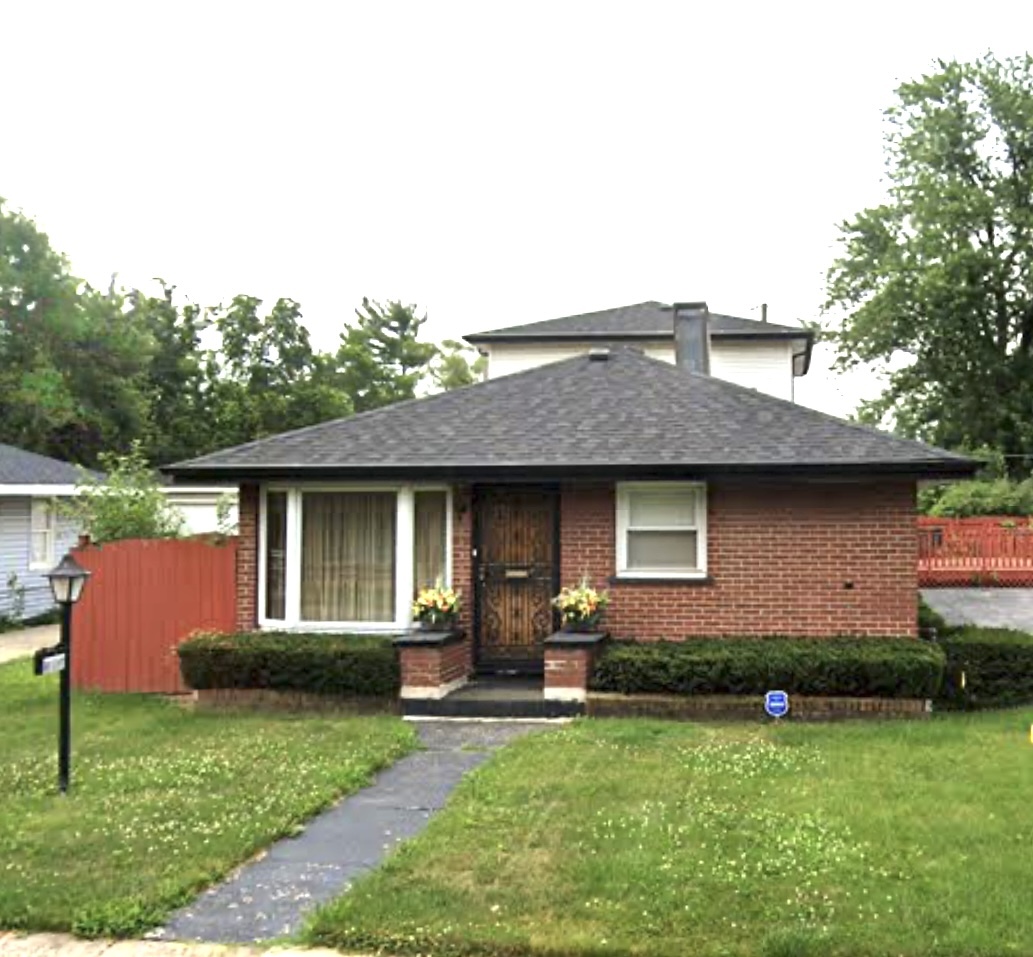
[(705, 506)]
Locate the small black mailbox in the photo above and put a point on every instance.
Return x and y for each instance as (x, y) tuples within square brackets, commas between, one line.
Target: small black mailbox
[(49, 661)]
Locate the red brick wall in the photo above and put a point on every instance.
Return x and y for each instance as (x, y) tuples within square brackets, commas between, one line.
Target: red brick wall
[(462, 560), (568, 667), (247, 559), (781, 557), (433, 667)]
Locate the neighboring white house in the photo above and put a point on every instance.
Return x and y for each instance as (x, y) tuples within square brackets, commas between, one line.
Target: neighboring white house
[(34, 535), (756, 354), (200, 506)]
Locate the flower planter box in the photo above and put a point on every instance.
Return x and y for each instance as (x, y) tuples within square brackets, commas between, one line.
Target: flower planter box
[(433, 663)]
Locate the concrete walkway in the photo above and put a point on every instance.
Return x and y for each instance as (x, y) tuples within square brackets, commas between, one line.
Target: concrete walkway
[(22, 643), (64, 945), (991, 607), (270, 897)]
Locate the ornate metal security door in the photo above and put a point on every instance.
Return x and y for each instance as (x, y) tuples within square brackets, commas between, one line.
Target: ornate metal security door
[(516, 575)]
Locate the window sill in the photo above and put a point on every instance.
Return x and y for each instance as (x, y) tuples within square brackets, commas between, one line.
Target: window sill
[(694, 580), (41, 566)]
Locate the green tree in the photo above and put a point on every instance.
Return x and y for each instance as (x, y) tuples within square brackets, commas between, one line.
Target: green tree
[(456, 365), (264, 376), (381, 359), (937, 283), (127, 502), (180, 423), (38, 303), (72, 357)]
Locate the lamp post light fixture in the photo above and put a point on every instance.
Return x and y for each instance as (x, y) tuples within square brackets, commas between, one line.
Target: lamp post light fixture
[(67, 581)]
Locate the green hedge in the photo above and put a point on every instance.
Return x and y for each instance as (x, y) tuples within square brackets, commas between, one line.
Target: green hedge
[(997, 664), (849, 667), (322, 664)]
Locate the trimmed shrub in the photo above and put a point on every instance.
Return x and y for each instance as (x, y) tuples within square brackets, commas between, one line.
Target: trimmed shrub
[(322, 664), (848, 667), (997, 665), (979, 497)]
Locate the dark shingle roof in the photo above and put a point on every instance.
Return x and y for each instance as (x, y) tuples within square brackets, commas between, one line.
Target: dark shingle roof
[(627, 414), (18, 467), (641, 321)]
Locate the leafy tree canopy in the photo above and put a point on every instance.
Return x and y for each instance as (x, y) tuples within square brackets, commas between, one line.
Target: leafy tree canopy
[(937, 283), (84, 371), (381, 359), (72, 358), (126, 503)]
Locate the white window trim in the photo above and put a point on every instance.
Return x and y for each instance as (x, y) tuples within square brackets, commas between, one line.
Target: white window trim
[(50, 530), (624, 490), (405, 573)]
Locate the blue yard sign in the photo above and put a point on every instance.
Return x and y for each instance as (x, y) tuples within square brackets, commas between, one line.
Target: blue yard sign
[(776, 704)]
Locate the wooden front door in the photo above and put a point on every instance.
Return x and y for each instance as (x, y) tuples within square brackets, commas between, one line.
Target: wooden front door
[(517, 575)]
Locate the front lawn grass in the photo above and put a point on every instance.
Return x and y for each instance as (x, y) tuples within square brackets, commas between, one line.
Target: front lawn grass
[(163, 801), (635, 837)]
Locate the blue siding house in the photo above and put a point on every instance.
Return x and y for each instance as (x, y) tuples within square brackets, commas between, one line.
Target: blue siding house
[(33, 536)]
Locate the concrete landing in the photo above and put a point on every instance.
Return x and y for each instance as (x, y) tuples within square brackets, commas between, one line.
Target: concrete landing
[(22, 643), (989, 607)]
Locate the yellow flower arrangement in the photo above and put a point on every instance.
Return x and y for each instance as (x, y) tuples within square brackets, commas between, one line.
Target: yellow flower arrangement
[(436, 607), (581, 606)]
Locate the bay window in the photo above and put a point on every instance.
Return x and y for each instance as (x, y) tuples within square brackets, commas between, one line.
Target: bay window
[(276, 555), (347, 556), (350, 557), (662, 530), (430, 558)]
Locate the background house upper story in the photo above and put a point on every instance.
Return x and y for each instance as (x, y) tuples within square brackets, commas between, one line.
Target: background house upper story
[(756, 354)]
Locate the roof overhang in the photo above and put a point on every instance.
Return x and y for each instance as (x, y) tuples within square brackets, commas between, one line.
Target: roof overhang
[(801, 357), (935, 469), (488, 338), (38, 490)]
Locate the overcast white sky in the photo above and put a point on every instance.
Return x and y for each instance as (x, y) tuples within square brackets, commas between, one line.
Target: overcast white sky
[(493, 162)]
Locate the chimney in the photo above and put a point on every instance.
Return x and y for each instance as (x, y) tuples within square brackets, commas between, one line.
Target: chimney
[(692, 336)]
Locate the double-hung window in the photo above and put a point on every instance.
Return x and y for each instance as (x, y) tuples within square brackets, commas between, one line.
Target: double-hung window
[(43, 534), (662, 530)]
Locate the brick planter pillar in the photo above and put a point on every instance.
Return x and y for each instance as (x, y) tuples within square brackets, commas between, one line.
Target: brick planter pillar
[(433, 663), (569, 657)]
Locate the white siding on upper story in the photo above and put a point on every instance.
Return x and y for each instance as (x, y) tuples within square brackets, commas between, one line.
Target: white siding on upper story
[(764, 365)]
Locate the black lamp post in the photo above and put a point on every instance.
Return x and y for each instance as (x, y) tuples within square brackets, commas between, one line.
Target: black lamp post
[(67, 581)]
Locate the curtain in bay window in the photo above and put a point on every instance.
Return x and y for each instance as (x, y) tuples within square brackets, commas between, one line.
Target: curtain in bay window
[(431, 535), (348, 556)]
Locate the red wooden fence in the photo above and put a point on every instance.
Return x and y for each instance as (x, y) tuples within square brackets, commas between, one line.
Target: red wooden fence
[(143, 598), (985, 551)]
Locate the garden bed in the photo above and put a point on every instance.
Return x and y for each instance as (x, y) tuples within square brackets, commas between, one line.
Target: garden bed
[(722, 707), (266, 699)]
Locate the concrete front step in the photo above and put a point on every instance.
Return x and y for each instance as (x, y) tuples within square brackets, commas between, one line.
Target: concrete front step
[(494, 697)]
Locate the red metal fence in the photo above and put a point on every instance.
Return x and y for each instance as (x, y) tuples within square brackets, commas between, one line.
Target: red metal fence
[(982, 552), (143, 598)]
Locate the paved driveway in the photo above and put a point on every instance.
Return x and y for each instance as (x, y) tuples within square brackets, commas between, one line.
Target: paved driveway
[(21, 644), (995, 607)]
